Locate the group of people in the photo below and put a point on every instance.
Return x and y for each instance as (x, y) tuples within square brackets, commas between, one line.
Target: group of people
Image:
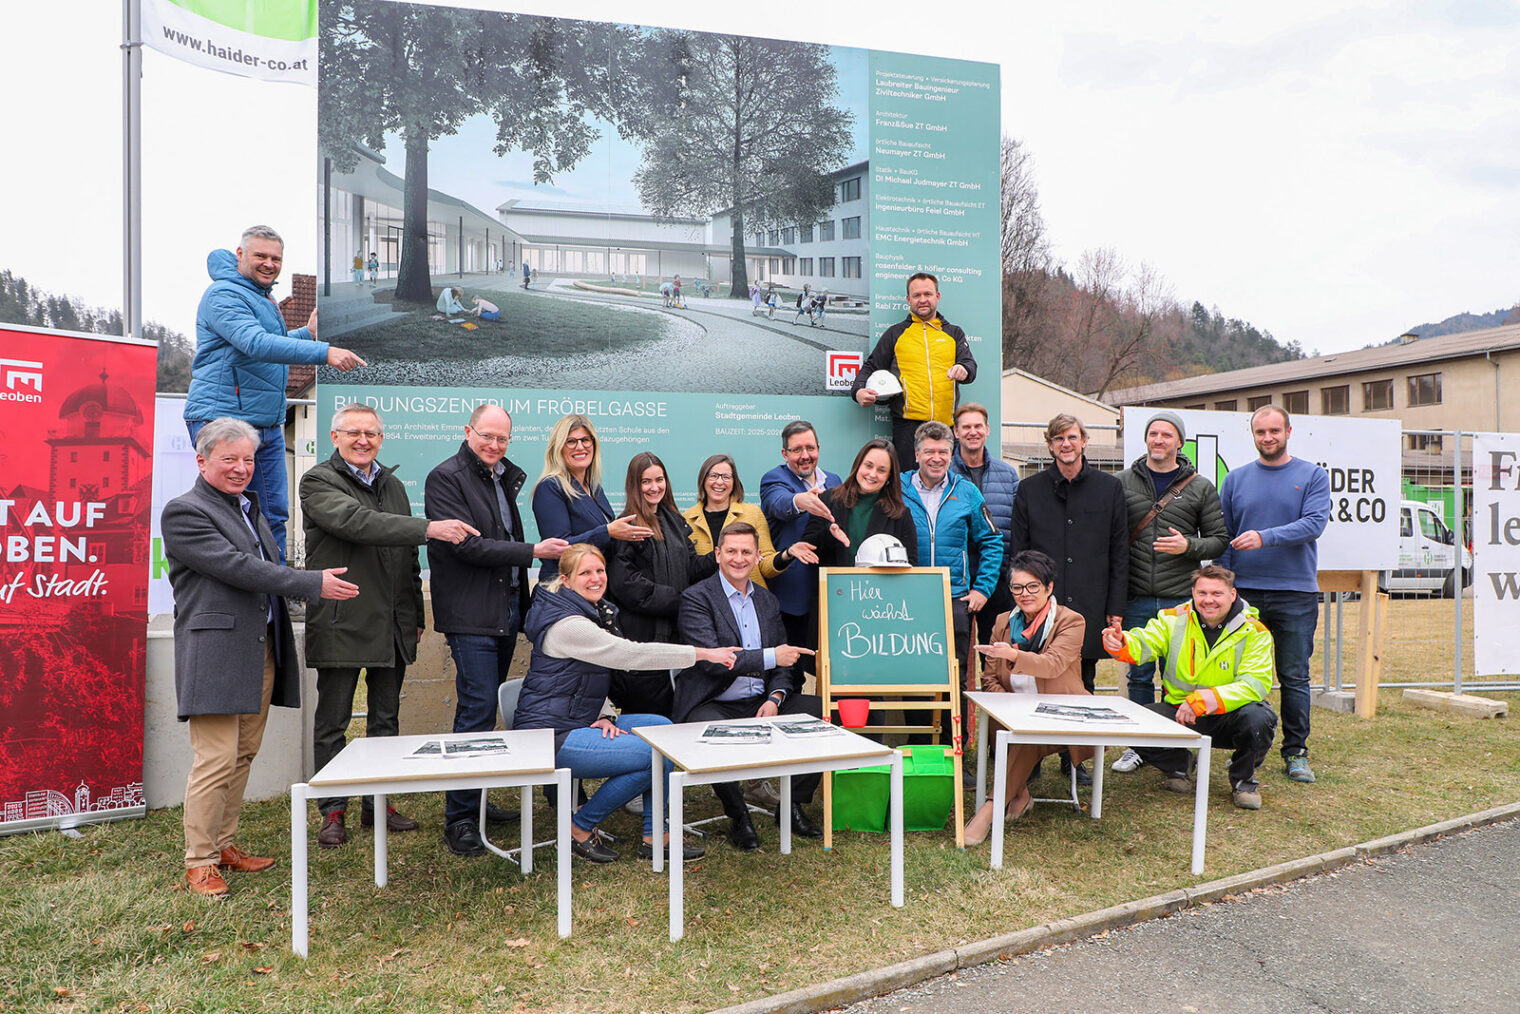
[(648, 613)]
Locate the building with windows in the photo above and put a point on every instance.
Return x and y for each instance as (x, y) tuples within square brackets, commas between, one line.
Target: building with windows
[(362, 213), (607, 242), (1468, 381)]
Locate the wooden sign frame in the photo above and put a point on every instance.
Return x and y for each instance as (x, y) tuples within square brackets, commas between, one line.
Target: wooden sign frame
[(938, 695)]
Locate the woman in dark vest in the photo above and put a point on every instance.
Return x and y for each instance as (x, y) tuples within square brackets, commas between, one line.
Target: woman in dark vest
[(646, 580), (868, 502), (575, 640)]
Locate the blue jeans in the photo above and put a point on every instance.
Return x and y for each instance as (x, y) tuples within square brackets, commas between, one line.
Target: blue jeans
[(269, 481), (1292, 617), (624, 761), (481, 663), (1139, 612)]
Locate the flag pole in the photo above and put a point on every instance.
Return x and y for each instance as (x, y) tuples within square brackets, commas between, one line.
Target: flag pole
[(131, 167)]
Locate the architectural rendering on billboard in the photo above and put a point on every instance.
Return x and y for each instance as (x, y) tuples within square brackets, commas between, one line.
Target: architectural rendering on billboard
[(691, 238)]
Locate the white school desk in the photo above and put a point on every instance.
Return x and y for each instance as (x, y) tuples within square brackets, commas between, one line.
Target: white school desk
[(705, 763), (383, 766), (1142, 727)]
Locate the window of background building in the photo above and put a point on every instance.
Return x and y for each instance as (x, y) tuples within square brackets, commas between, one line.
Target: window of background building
[(759, 239), (1377, 394), (825, 231), (775, 236), (775, 264), (1424, 441), (1425, 389), (849, 267), (1225, 406), (788, 265), (1296, 402), (807, 232), (851, 227), (848, 190), (1260, 401), (1335, 400), (789, 234), (826, 267), (805, 266), (1196, 408)]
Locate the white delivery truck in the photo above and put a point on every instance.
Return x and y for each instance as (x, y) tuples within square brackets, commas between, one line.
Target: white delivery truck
[(1428, 553)]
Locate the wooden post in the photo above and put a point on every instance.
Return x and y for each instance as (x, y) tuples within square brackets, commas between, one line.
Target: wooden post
[(1369, 663)]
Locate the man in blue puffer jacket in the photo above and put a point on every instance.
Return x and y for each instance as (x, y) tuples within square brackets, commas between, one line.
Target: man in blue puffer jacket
[(997, 482), (954, 531), (242, 357)]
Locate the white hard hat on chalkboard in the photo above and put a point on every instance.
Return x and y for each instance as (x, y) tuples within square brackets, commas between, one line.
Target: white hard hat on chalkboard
[(882, 550)]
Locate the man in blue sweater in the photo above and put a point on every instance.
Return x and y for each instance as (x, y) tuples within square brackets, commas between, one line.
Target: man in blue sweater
[(1277, 507), (242, 357)]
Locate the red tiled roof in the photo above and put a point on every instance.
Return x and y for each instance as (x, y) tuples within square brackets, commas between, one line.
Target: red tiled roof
[(296, 308)]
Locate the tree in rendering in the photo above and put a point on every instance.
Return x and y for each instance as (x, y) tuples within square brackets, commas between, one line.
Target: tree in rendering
[(740, 124)]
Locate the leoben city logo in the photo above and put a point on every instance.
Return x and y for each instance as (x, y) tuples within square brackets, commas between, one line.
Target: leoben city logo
[(16, 376), (840, 370)]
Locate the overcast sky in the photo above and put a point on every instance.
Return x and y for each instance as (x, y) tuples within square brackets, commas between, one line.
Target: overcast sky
[(1333, 173)]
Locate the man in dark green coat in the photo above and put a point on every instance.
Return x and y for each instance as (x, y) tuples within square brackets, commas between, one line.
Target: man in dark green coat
[(1168, 544), (358, 515)]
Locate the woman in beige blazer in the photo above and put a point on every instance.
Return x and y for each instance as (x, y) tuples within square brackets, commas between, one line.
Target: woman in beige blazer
[(721, 502)]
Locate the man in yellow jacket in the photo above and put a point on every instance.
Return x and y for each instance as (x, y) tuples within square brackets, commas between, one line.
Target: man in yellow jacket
[(1216, 660), (928, 356)]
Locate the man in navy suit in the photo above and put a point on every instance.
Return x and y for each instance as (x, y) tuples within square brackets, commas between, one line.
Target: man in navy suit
[(789, 498), (728, 608)]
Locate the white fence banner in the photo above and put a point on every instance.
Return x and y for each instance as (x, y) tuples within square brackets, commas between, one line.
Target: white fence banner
[(1496, 553), (1361, 456)]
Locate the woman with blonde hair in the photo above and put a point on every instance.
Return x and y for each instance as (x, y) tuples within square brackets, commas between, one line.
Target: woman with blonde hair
[(568, 500), (720, 502), (576, 645)]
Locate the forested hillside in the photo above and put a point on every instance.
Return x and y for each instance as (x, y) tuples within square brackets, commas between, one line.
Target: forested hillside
[(21, 303)]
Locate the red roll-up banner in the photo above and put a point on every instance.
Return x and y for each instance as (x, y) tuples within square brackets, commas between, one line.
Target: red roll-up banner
[(76, 439)]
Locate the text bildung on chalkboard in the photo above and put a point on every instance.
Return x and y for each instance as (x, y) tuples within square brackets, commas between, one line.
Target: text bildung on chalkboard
[(886, 630)]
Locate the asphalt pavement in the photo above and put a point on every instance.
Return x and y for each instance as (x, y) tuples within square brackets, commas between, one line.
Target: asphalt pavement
[(1432, 928)]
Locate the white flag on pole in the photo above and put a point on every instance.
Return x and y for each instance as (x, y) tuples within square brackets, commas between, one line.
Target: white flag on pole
[(273, 40)]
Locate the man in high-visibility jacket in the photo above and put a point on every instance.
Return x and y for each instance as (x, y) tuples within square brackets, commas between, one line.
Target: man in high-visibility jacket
[(1216, 660)]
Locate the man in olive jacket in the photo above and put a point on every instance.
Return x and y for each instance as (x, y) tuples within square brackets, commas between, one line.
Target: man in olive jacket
[(359, 515), (1187, 530)]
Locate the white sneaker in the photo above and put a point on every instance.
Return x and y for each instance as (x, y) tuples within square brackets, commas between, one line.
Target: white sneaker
[(1127, 762)]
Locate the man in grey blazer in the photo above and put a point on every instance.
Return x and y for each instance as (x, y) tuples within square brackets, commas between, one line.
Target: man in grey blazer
[(234, 652), (728, 608)]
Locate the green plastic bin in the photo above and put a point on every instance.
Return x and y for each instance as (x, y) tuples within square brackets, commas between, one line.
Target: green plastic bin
[(861, 796)]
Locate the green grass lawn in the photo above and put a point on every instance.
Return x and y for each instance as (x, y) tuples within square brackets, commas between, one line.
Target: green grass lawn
[(101, 923), (541, 326)]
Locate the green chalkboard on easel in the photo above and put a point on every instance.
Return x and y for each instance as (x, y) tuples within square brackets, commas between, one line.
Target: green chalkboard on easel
[(886, 630)]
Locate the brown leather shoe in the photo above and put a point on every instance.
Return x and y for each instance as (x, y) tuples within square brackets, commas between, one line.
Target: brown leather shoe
[(334, 830), (206, 881), (234, 858), (394, 822)]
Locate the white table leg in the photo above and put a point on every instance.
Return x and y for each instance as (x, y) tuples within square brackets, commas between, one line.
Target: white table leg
[(657, 792), (785, 813), (982, 721), (896, 804), (1097, 785), (1201, 806), (382, 841), (526, 821), (299, 939), (999, 795), (677, 867), (562, 843)]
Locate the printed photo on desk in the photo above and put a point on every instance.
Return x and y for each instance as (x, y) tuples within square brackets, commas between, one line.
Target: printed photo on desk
[(720, 733)]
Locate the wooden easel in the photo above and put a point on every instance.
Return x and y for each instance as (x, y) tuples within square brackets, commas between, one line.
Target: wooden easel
[(856, 638)]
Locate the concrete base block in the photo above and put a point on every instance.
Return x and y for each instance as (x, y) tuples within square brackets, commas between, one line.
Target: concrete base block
[(1461, 704), (1343, 701)]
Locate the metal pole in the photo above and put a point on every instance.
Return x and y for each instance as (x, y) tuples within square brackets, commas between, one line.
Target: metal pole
[(1340, 642), (461, 246), (131, 167), (1324, 651), (327, 227), (1458, 544)]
